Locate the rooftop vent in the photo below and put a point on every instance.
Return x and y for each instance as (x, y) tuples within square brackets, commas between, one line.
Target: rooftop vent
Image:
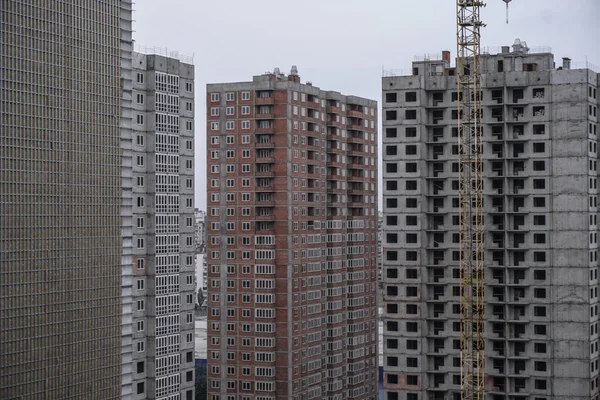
[(566, 63)]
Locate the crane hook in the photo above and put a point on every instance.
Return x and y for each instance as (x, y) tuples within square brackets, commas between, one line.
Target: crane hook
[(507, 1)]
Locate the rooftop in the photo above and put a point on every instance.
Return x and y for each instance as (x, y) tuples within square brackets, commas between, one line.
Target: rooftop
[(164, 52)]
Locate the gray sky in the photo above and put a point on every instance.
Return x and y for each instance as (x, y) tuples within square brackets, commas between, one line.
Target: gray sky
[(343, 45)]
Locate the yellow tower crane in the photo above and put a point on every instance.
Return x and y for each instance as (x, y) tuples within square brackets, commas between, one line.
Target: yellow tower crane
[(468, 72), (470, 150)]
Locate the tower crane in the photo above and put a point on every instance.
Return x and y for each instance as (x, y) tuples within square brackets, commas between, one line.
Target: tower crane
[(470, 150), (470, 172)]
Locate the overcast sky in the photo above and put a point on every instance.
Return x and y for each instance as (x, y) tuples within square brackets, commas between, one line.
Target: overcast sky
[(343, 45)]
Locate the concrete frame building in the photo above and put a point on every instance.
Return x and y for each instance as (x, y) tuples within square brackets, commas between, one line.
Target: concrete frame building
[(292, 212), (164, 226), (65, 212), (541, 228)]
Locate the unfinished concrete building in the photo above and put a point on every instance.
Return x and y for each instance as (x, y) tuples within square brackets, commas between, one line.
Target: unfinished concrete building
[(541, 233)]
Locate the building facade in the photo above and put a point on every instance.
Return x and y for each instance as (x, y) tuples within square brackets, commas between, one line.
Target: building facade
[(292, 212), (164, 227), (200, 235), (65, 215), (540, 129)]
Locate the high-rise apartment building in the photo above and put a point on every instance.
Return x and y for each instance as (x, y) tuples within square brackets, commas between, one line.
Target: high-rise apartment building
[(540, 128), (65, 216), (292, 212), (164, 227)]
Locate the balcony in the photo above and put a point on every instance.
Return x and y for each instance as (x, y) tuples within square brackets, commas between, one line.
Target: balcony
[(355, 114), (265, 173), (333, 110), (265, 129), (265, 100), (265, 144), (266, 202), (265, 217), (265, 115)]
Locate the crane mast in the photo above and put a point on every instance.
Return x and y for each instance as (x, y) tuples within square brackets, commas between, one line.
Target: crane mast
[(468, 72)]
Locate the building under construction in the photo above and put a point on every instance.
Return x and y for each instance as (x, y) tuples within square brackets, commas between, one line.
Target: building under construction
[(540, 194)]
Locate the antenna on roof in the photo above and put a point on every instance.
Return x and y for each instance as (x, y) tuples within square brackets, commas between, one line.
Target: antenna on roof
[(507, 1)]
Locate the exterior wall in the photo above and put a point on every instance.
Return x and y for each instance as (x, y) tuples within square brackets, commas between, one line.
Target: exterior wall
[(163, 228), (64, 266), (291, 280), (540, 189)]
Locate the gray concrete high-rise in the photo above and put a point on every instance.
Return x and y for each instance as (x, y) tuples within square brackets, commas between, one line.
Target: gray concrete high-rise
[(541, 228), (164, 225), (65, 212)]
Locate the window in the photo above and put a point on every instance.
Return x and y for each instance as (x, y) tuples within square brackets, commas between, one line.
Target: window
[(245, 110), (189, 87), (539, 202), (139, 140), (245, 96), (539, 220), (140, 346), (140, 284), (410, 131), (391, 97), (539, 329), (539, 166), (539, 147), (391, 150), (246, 125), (140, 387), (410, 114), (139, 118), (539, 238), (140, 367), (141, 263), (410, 97), (539, 311), (411, 150), (539, 183), (140, 77), (139, 98), (391, 167), (214, 97), (539, 275), (229, 96), (391, 115)]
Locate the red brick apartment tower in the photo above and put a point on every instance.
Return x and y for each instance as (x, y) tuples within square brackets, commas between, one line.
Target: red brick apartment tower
[(292, 206)]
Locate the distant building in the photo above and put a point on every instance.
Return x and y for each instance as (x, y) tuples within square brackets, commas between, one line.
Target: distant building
[(200, 235), (292, 255), (540, 151), (164, 226), (380, 250)]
